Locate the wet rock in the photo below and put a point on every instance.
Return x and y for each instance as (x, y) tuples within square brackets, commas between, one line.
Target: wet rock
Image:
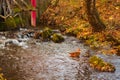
[(3, 37), (37, 35), (26, 34), (87, 54), (98, 64), (56, 31), (46, 34), (57, 38), (16, 42), (23, 29), (11, 41), (1, 41)]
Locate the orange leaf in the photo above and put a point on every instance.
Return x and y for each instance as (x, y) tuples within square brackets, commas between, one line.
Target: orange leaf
[(75, 54)]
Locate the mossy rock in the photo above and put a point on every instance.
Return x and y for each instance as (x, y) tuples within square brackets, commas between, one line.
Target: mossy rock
[(57, 38), (100, 65), (46, 34)]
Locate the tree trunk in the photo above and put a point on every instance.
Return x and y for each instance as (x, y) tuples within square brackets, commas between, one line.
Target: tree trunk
[(93, 16)]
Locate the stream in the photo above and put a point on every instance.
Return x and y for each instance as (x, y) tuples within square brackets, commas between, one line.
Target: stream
[(25, 58)]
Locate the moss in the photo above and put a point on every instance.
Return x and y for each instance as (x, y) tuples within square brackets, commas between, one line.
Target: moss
[(57, 38), (100, 65), (16, 10), (46, 34), (19, 21), (10, 22)]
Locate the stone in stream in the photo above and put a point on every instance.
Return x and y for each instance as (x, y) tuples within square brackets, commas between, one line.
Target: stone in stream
[(87, 54), (57, 38), (3, 37), (14, 42), (11, 41)]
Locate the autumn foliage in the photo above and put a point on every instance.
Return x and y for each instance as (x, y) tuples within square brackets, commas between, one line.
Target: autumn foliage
[(72, 17)]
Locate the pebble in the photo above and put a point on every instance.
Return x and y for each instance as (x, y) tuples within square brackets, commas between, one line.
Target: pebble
[(3, 37)]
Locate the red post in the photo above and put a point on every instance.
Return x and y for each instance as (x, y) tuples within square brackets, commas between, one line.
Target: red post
[(33, 14)]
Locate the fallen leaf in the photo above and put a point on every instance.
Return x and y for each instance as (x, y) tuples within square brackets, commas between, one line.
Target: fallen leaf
[(75, 54)]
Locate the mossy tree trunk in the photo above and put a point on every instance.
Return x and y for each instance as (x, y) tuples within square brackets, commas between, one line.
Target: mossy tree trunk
[(9, 19), (93, 16), (21, 9)]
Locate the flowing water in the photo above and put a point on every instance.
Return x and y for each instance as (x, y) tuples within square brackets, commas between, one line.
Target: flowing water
[(33, 59)]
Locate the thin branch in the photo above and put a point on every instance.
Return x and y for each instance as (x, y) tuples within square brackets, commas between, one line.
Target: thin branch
[(4, 17), (25, 3), (17, 4), (9, 7)]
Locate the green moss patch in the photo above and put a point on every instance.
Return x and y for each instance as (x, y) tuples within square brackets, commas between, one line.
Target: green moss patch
[(46, 34), (10, 23), (57, 38), (100, 65)]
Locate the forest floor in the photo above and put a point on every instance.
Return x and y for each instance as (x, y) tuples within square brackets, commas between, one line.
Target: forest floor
[(71, 18)]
